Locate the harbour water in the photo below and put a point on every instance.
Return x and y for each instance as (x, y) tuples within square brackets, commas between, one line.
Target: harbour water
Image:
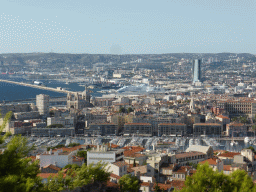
[(12, 92)]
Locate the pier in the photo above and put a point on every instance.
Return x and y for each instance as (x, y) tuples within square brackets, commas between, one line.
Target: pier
[(38, 86)]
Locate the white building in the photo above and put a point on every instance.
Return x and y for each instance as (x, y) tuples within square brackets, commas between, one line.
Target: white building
[(118, 168), (105, 155), (57, 158)]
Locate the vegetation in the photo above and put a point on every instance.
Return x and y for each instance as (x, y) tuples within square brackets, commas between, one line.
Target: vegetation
[(122, 110), (83, 154), (55, 126), (56, 147), (129, 183), (205, 179), (17, 173), (51, 113), (78, 177), (129, 110), (73, 144)]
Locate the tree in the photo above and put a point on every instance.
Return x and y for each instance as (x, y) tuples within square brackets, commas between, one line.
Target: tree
[(17, 173), (73, 144), (129, 183), (157, 188), (55, 126), (91, 173), (251, 147), (51, 113), (122, 110), (205, 179), (129, 110), (83, 154)]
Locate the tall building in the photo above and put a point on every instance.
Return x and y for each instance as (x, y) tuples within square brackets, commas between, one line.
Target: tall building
[(42, 103), (196, 70)]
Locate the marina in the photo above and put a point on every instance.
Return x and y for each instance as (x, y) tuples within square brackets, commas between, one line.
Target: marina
[(149, 143)]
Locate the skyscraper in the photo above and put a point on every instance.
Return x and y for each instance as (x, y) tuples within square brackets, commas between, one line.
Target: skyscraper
[(196, 70)]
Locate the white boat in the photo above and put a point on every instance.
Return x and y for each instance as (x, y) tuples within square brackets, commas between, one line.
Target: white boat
[(247, 140), (38, 83)]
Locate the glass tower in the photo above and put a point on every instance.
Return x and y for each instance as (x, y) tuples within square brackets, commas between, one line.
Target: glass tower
[(196, 70)]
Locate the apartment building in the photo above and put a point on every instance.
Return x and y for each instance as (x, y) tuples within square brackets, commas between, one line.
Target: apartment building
[(172, 129), (210, 129), (140, 129), (238, 107)]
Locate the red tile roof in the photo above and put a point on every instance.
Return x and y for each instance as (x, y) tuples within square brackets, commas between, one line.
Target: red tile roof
[(119, 163), (51, 166), (226, 167), (211, 161), (229, 154), (176, 184)]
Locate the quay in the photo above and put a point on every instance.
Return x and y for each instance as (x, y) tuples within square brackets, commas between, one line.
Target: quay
[(234, 138), (38, 86)]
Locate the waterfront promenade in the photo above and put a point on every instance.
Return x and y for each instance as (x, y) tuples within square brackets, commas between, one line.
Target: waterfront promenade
[(38, 86)]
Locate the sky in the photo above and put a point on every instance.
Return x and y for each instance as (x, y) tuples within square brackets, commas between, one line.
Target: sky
[(127, 27)]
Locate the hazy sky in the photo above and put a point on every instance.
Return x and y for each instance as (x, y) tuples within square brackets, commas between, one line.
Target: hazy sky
[(128, 27)]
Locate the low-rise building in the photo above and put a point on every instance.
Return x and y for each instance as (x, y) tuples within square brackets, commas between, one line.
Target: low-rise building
[(105, 155), (190, 157), (57, 158)]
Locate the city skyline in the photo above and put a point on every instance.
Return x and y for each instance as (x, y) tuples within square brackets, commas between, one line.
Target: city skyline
[(127, 28)]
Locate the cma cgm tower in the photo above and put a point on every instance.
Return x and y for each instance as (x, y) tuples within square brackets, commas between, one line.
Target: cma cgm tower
[(196, 70)]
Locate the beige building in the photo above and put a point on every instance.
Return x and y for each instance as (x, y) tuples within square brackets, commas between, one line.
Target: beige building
[(42, 103)]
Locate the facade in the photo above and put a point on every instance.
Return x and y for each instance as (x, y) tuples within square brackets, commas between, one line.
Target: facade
[(238, 107), (78, 101), (102, 129), (140, 129), (42, 103), (196, 70), (190, 157), (46, 132), (57, 158), (210, 129), (67, 122), (118, 168), (236, 130), (172, 129), (104, 154)]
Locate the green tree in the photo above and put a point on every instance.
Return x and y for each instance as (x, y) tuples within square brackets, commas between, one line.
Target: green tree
[(205, 179), (129, 110), (73, 144), (90, 174), (17, 173), (55, 126), (60, 182), (157, 188), (122, 110), (129, 183), (83, 154)]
